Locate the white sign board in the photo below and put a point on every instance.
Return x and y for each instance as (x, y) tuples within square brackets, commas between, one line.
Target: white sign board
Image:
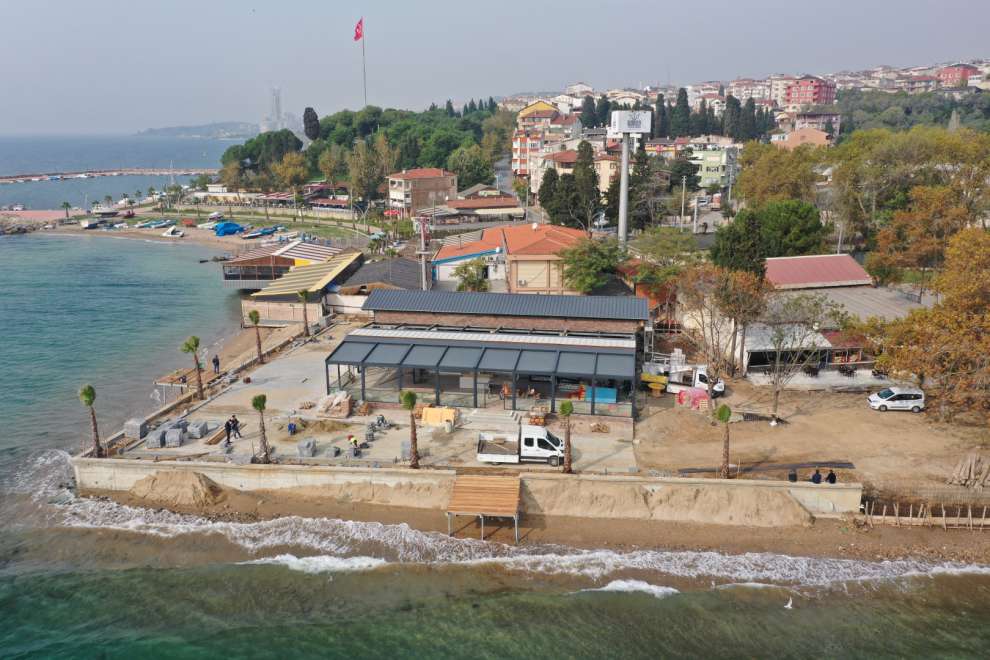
[(631, 121)]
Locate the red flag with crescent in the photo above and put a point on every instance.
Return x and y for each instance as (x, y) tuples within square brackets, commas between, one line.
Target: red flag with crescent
[(359, 30)]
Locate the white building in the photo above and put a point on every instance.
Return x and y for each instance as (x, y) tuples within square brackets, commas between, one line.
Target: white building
[(579, 89)]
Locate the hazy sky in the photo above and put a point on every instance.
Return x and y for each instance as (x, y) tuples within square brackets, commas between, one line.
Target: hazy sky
[(121, 65)]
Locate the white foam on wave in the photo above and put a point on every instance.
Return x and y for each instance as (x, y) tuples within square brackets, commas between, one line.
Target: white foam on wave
[(632, 586), (45, 480), (322, 563)]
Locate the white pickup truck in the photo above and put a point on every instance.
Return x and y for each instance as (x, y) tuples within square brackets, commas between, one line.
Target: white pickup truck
[(530, 443), (690, 376)]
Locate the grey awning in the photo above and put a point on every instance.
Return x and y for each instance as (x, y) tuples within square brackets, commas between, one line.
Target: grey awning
[(616, 366), (387, 355), (537, 362), (350, 352), (576, 364), (499, 359), (465, 359), (425, 357)]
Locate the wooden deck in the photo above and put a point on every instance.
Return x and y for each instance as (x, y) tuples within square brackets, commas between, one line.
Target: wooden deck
[(494, 497)]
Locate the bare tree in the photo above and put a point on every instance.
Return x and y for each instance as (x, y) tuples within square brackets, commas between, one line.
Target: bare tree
[(709, 329), (791, 325)]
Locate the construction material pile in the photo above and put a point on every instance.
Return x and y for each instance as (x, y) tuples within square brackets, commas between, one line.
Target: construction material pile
[(972, 471), (336, 405)]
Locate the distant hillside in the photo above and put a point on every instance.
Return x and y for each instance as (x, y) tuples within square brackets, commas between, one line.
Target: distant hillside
[(221, 129)]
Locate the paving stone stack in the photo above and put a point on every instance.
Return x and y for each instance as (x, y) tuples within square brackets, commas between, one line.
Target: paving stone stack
[(135, 428), (306, 448), (175, 437), (197, 430)]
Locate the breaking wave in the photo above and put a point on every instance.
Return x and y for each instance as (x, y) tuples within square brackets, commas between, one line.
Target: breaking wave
[(632, 586), (350, 545)]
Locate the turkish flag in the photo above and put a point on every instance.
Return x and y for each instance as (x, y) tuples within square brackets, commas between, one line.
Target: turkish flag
[(359, 30)]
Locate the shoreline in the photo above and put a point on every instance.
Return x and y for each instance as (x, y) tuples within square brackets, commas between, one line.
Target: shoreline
[(826, 538)]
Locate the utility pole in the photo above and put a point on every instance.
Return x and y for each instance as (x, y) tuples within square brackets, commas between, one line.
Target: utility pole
[(624, 191), (694, 226), (683, 198)]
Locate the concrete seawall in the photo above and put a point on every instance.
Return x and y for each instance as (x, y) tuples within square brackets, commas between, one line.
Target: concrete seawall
[(730, 502)]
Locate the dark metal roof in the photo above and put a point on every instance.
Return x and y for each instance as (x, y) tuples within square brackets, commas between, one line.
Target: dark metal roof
[(612, 308), (403, 273), (455, 357)]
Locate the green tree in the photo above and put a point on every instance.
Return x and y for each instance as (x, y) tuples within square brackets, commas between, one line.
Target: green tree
[(291, 172), (566, 410), (255, 319), (365, 172), (724, 414), (683, 171), (589, 116), (732, 118), (588, 198), (790, 228), (65, 207), (332, 162), (588, 264), (738, 244), (747, 120), (548, 190), (259, 402), (521, 188), (471, 275), (680, 116), (311, 124), (471, 166), (231, 175), (408, 399), (87, 394), (603, 110), (769, 173), (191, 346), (661, 120)]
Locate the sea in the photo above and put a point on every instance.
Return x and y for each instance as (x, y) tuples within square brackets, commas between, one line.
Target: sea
[(69, 153), (83, 578)]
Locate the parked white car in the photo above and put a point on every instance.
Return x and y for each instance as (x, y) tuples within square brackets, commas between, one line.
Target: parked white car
[(898, 398)]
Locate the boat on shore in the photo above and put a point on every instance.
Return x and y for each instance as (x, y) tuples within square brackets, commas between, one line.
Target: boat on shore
[(105, 211), (173, 232)]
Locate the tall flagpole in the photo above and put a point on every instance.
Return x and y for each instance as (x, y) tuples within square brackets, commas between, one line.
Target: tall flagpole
[(364, 66)]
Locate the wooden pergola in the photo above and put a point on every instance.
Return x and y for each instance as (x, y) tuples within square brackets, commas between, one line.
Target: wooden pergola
[(494, 497)]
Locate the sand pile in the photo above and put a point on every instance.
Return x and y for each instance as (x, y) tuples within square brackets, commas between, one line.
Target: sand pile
[(178, 489), (668, 502)]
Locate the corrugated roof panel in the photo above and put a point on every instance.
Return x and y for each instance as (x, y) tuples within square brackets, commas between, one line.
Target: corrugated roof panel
[(350, 352), (617, 366), (498, 359), (424, 356), (537, 362), (576, 364), (509, 304), (461, 358), (387, 355), (312, 278)]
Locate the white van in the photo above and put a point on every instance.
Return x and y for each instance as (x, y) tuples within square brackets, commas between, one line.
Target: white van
[(898, 398)]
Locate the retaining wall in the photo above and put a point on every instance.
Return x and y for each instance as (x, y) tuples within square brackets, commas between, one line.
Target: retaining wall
[(736, 501)]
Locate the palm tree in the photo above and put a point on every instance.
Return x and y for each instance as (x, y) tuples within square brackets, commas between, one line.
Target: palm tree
[(303, 295), (723, 414), (151, 191), (66, 206), (408, 399), (87, 394), (258, 403), (566, 409), (137, 196), (108, 200), (255, 318), (191, 346)]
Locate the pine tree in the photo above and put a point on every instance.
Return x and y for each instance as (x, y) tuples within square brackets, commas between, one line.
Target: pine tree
[(602, 110), (714, 126), (730, 118), (699, 119), (680, 117), (492, 106), (472, 106), (747, 120), (589, 116), (661, 123), (449, 108)]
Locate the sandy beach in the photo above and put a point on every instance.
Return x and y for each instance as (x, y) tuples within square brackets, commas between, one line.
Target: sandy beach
[(843, 538)]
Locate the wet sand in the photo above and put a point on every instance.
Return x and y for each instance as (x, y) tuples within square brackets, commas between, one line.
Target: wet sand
[(826, 538)]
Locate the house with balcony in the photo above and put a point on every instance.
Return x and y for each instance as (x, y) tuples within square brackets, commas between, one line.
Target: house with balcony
[(409, 190)]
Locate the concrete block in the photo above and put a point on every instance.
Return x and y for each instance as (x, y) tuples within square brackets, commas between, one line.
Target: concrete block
[(155, 439), (135, 428), (197, 430), (306, 448), (174, 437), (180, 424)]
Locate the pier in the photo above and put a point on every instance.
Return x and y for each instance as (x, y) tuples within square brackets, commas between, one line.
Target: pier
[(123, 171)]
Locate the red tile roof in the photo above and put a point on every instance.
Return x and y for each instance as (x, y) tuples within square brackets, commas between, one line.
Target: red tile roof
[(566, 120), (565, 157), (421, 173), (818, 270), (500, 202), (518, 240), (540, 114)]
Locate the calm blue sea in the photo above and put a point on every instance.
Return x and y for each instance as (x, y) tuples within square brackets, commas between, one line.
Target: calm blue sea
[(28, 154)]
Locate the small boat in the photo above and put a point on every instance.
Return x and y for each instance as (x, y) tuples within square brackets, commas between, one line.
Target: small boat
[(173, 232), (105, 211), (207, 225), (91, 223), (144, 225), (216, 215)]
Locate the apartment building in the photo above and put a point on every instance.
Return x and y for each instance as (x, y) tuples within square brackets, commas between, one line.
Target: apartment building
[(809, 90), (746, 88), (409, 190), (526, 145), (956, 75)]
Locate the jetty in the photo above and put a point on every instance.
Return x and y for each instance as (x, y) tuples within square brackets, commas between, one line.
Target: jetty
[(123, 171)]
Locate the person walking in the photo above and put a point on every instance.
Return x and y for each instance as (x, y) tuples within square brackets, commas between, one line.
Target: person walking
[(227, 427), (216, 364), (235, 426)]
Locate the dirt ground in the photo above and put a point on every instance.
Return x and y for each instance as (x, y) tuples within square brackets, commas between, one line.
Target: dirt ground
[(888, 449)]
